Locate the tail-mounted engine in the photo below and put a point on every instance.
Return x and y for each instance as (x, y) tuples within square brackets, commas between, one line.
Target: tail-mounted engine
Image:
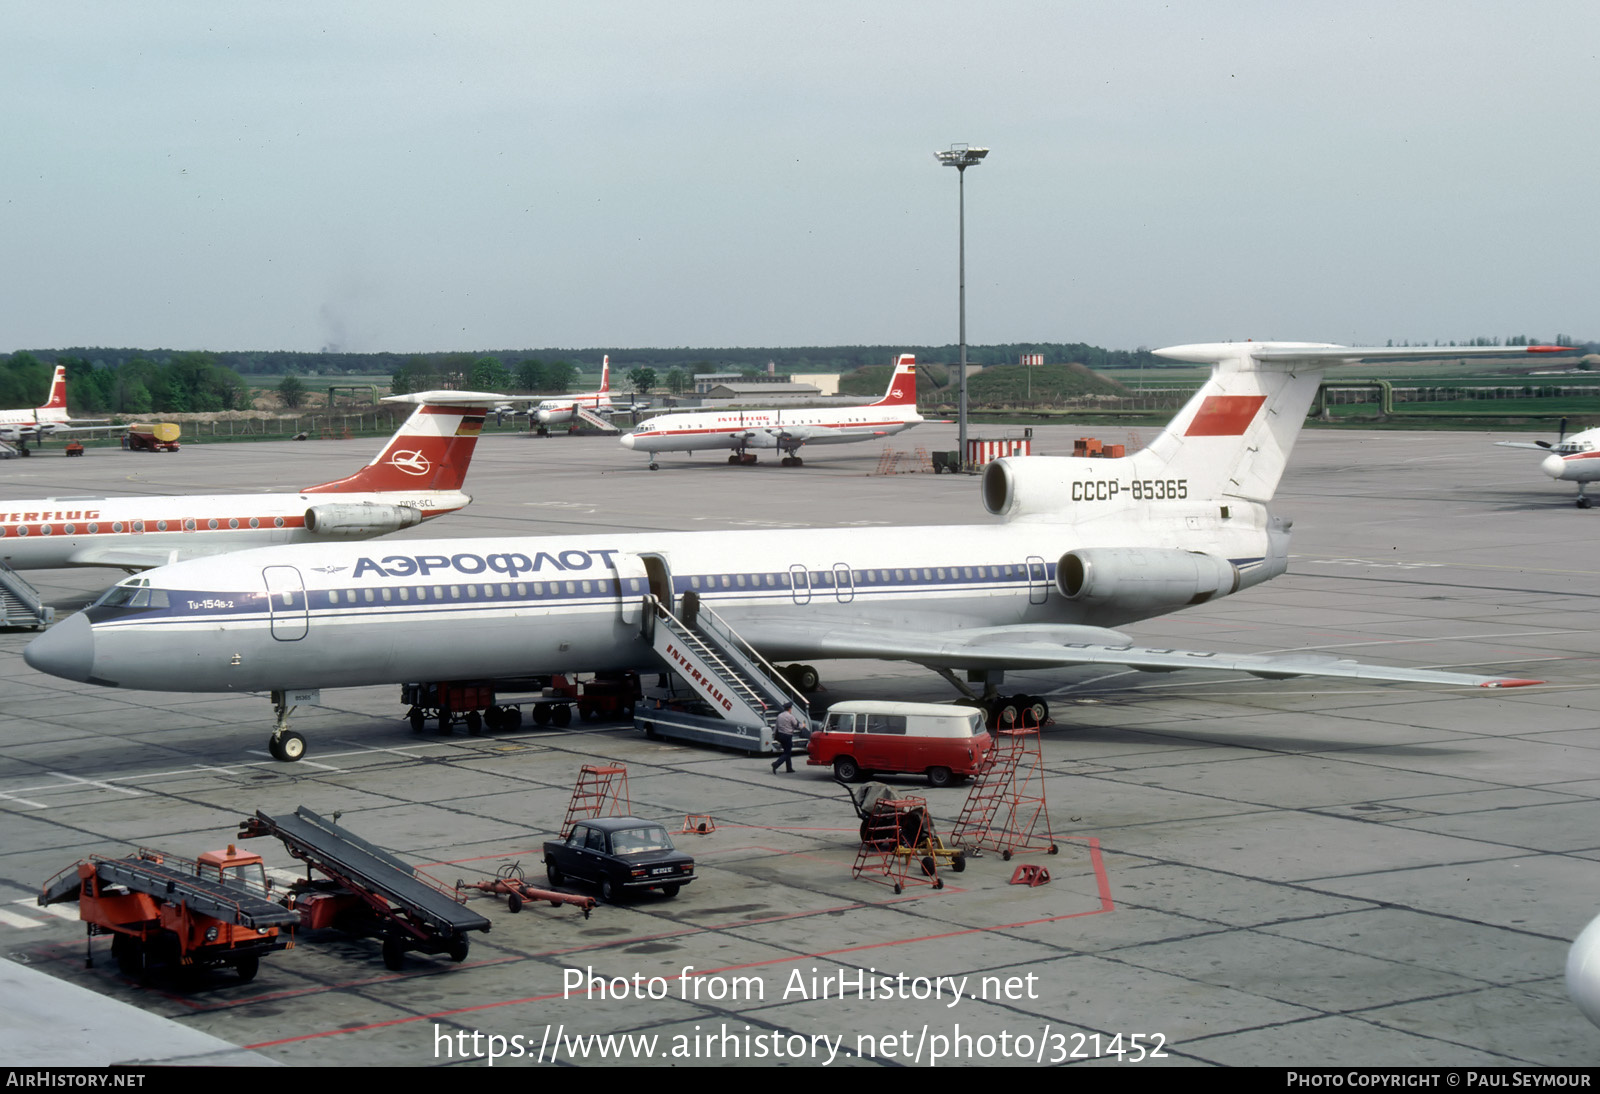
[(360, 521), (1056, 485), (1144, 577)]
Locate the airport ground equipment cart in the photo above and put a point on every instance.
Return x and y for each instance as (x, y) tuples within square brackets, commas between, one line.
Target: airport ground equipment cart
[(503, 704), (894, 835), (161, 910), (509, 879), (912, 833), (367, 891)]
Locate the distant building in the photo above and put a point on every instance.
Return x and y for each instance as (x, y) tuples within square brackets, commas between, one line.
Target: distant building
[(746, 389)]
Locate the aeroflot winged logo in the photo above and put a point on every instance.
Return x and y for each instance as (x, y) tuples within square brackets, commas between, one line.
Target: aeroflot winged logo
[(411, 462)]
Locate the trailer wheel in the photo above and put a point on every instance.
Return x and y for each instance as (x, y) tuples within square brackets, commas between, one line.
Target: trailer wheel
[(419, 721), (928, 866), (444, 722), (959, 863), (248, 967), (129, 954), (514, 903), (459, 947), (394, 955), (510, 718), (474, 723), (562, 715), (541, 715)]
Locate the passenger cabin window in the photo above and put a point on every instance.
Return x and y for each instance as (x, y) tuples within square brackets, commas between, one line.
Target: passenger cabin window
[(886, 723)]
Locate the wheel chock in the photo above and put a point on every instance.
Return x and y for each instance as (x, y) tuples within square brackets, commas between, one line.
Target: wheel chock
[(1031, 875)]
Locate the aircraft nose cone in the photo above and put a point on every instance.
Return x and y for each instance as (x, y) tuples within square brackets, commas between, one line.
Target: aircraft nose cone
[(1583, 972), (627, 440), (65, 650), (1553, 466)]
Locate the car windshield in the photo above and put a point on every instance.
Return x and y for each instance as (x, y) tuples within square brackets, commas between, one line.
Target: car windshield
[(632, 841)]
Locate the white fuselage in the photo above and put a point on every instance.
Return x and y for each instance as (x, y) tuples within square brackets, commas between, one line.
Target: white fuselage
[(90, 531), (1575, 459), (719, 429), (349, 614)]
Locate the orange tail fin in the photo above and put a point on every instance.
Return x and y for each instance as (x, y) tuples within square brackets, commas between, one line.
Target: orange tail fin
[(431, 451)]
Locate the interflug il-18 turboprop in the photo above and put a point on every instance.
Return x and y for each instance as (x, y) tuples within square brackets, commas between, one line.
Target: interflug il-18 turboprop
[(1569, 459), (784, 430), (21, 426), (559, 411), (416, 477), (1081, 547)]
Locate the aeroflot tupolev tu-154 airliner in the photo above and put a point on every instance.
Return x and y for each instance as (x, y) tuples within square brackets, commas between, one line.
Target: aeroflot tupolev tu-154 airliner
[(1082, 546)]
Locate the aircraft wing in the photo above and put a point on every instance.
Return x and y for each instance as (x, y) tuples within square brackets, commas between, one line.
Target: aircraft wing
[(51, 429), (1537, 446), (1039, 647)]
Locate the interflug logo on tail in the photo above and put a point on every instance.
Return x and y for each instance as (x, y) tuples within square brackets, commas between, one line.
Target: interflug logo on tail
[(411, 462)]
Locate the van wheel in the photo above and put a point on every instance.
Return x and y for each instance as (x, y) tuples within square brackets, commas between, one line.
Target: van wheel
[(846, 770), (939, 776)]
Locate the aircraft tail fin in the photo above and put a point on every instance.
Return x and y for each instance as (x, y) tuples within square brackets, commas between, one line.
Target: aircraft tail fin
[(58, 391), (1233, 438), (902, 390), (605, 374), (1230, 442), (431, 451)]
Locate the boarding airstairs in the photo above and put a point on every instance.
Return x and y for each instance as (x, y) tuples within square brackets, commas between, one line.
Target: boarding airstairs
[(20, 605), (590, 418), (737, 695)]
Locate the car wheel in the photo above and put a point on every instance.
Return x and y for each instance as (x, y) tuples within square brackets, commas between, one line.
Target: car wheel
[(846, 769), (939, 776), (248, 967), (671, 890), (553, 874), (608, 891)]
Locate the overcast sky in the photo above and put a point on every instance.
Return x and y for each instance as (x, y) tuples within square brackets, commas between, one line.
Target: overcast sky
[(455, 176)]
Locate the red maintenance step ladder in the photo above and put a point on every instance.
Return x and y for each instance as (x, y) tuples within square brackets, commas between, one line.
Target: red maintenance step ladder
[(1006, 810), (601, 791)]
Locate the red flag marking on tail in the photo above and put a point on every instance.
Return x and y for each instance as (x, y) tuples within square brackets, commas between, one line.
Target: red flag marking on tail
[(1225, 415)]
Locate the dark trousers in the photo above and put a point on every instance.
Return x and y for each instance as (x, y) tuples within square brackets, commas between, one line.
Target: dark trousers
[(786, 757)]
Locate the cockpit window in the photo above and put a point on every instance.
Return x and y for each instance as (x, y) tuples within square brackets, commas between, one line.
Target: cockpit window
[(135, 593)]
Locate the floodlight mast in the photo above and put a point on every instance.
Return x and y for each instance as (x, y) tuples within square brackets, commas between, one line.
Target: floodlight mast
[(961, 157)]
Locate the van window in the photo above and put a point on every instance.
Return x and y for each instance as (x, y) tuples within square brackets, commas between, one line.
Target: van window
[(885, 723), (841, 723)]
